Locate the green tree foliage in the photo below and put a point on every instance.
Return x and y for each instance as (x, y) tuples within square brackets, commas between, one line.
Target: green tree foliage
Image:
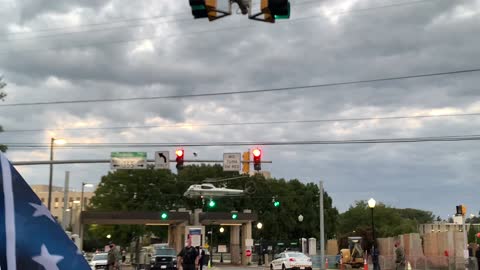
[(161, 190), (388, 221), (472, 233)]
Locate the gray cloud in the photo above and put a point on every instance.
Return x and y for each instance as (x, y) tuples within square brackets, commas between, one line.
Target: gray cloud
[(433, 36)]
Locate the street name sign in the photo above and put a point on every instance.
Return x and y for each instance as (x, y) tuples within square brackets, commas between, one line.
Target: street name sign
[(128, 160)]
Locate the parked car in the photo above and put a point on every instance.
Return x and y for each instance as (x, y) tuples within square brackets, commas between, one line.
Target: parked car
[(291, 260), (99, 261)]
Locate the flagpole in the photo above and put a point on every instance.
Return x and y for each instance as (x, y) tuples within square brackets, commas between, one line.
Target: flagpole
[(9, 214)]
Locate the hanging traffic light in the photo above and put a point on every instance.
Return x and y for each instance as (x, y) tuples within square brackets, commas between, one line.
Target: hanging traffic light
[(212, 204), (234, 216), (206, 9), (257, 159), (164, 215), (461, 210), (274, 10), (276, 203), (180, 155)]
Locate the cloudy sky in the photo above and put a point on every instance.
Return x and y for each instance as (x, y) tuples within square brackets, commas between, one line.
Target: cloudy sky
[(79, 49)]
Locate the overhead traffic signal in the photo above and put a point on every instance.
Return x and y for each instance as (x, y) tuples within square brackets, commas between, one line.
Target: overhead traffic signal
[(164, 216), (275, 9), (246, 165), (234, 216), (275, 202), (180, 156), (206, 9), (257, 159)]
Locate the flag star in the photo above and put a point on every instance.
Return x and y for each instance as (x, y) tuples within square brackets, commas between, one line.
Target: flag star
[(41, 210), (47, 260)]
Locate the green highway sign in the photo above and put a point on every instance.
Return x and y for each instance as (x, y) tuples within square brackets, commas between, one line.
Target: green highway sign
[(128, 160)]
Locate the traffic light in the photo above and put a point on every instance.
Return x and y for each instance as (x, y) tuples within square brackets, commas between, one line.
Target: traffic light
[(257, 159), (246, 165), (275, 9), (180, 155), (212, 204), (276, 203), (204, 9), (461, 210), (164, 215), (234, 216)]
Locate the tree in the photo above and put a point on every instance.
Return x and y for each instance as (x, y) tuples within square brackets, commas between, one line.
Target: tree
[(161, 190), (472, 233), (356, 221)]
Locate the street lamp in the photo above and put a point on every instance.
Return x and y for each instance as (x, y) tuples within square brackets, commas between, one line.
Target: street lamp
[(109, 236), (53, 141), (371, 205), (222, 230), (260, 248), (300, 218)]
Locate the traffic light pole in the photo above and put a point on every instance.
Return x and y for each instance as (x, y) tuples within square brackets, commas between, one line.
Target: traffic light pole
[(322, 227), (84, 161)]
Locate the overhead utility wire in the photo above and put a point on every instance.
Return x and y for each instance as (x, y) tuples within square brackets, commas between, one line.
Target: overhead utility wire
[(196, 32), (266, 90), (454, 138), (245, 123)]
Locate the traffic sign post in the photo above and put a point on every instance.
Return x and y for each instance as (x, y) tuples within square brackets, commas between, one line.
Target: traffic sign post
[(162, 160), (232, 162), (128, 160)]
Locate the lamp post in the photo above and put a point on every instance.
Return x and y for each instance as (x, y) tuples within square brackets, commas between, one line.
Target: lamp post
[(371, 205), (222, 230), (260, 248), (300, 220), (53, 141), (211, 247), (82, 202)]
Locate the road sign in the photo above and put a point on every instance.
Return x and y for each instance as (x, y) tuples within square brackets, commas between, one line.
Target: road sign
[(248, 242), (128, 160), (248, 252), (162, 160), (232, 162)]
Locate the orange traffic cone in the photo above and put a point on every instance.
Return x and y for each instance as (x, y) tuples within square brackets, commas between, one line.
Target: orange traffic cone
[(326, 263), (365, 264)]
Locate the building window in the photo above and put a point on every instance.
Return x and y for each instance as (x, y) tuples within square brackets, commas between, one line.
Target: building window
[(56, 203)]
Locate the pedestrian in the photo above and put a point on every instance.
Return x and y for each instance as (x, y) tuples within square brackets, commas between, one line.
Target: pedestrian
[(399, 255), (124, 256), (188, 257), (111, 259), (201, 256), (477, 255)]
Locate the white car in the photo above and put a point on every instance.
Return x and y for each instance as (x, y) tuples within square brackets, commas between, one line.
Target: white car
[(99, 261), (291, 260), (210, 190)]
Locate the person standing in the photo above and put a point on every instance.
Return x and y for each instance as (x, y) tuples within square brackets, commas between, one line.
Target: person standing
[(111, 259), (188, 257), (399, 255)]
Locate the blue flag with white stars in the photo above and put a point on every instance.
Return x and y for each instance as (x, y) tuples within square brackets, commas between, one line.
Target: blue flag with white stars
[(30, 238)]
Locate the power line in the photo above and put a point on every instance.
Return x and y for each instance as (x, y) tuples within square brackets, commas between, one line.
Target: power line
[(294, 20), (255, 91), (246, 123), (455, 138)]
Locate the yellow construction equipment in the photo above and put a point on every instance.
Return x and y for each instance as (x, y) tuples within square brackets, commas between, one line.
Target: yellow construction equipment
[(353, 255)]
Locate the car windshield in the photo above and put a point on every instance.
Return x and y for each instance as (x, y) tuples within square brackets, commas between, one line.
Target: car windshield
[(100, 257), (165, 252), (296, 255)]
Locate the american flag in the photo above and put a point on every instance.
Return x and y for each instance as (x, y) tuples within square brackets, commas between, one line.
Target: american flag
[(30, 238)]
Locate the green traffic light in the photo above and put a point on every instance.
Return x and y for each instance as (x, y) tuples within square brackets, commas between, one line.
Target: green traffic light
[(276, 204), (164, 216), (212, 204), (234, 216)]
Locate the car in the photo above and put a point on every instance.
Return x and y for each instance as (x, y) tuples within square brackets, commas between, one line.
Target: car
[(163, 258), (291, 260), (99, 261)]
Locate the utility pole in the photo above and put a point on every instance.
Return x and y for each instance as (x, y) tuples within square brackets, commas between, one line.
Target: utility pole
[(65, 199), (322, 228)]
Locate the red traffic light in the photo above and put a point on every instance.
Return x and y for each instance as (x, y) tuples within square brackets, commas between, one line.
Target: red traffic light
[(179, 152), (257, 152)]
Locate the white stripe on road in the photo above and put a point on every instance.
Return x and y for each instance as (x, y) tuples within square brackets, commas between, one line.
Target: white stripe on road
[(9, 213)]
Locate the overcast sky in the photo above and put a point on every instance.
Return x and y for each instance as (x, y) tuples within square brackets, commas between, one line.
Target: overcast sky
[(324, 41)]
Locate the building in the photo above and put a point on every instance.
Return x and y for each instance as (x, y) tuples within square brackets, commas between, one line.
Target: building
[(58, 199)]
